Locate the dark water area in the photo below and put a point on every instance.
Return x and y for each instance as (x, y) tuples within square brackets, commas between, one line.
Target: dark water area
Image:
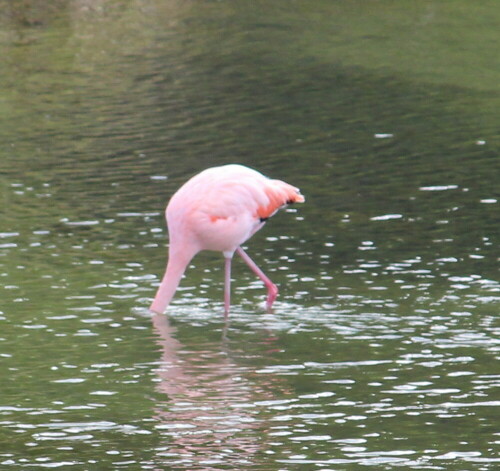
[(382, 349)]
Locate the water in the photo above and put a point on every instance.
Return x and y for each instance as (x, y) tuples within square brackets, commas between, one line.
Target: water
[(382, 349)]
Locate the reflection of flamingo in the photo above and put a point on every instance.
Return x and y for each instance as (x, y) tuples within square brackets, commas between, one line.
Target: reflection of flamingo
[(219, 209), (209, 410)]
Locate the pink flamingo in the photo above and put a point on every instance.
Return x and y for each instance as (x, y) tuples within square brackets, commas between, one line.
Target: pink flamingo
[(219, 209)]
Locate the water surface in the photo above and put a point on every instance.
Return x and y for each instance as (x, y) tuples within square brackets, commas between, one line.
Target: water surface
[(382, 349)]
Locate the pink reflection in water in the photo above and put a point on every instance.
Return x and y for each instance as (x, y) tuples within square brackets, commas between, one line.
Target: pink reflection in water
[(211, 414)]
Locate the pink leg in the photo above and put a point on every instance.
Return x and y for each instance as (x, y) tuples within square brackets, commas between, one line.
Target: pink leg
[(272, 289), (227, 286)]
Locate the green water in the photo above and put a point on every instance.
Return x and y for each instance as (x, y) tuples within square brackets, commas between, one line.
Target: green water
[(382, 349)]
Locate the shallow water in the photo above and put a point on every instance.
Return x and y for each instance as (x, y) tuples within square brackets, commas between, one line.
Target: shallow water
[(382, 349)]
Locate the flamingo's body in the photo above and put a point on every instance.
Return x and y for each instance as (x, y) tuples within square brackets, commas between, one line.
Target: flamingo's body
[(219, 209)]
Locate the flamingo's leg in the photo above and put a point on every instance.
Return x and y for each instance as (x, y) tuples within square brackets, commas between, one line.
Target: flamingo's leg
[(227, 285), (272, 289)]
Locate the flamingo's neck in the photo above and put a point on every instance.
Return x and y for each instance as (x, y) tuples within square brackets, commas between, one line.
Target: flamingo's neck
[(176, 266)]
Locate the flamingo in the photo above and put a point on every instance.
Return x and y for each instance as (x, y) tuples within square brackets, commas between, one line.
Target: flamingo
[(219, 209)]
